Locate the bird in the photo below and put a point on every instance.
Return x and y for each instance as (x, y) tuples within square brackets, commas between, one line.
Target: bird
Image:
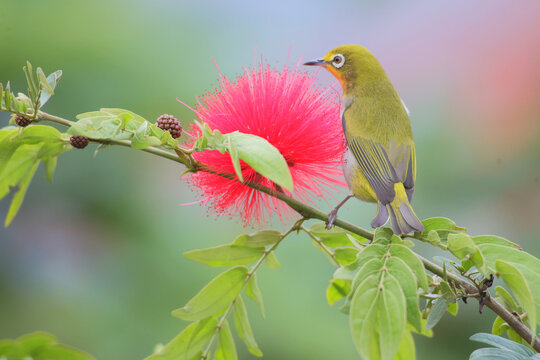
[(379, 163)]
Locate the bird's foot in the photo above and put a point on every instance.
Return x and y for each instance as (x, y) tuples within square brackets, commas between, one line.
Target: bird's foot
[(332, 216)]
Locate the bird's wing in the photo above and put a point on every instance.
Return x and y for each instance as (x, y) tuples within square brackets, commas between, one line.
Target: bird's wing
[(384, 166)]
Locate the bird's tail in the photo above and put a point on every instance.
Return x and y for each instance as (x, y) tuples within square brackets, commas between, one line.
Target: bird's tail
[(404, 220)]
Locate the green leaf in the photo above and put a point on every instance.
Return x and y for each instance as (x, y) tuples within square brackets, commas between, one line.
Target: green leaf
[(253, 291), (491, 240), (215, 296), (382, 235), (225, 255), (243, 327), (19, 196), (43, 83), (39, 345), (52, 80), (271, 261), (337, 290), (177, 347), (263, 157), (259, 239), (503, 344), (235, 159), (495, 354), (507, 299), (412, 261), (199, 337), (407, 280), (346, 256), (378, 317), (50, 166), (499, 326), (143, 138), (463, 247), (515, 280), (334, 237), (226, 349), (452, 308), (407, 349), (437, 311), (442, 226)]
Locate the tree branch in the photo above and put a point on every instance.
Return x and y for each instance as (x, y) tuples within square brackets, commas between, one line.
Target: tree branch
[(308, 212)]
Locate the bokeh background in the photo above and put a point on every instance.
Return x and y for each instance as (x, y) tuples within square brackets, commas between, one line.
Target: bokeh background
[(96, 256)]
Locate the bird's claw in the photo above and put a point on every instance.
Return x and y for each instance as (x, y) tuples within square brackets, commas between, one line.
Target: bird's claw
[(331, 218)]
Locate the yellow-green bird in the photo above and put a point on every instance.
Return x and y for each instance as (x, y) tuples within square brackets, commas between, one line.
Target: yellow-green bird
[(380, 161)]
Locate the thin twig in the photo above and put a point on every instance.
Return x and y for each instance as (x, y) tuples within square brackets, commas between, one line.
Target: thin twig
[(308, 212)]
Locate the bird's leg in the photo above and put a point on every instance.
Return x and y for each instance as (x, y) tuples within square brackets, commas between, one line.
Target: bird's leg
[(333, 214)]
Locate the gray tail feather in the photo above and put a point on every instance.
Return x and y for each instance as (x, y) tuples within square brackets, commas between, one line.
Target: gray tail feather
[(381, 218), (404, 220)]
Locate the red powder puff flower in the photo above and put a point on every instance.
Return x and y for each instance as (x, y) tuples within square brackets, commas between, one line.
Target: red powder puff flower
[(285, 107)]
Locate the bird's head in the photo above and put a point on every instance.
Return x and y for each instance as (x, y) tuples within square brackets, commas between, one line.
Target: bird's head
[(350, 64)]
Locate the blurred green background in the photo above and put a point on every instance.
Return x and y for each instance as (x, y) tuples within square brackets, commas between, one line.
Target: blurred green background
[(96, 256)]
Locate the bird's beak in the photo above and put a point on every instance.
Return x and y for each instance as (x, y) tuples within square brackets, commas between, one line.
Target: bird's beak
[(316, 62)]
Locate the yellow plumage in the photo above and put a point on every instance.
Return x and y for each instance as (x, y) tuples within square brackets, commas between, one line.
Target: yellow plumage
[(380, 162)]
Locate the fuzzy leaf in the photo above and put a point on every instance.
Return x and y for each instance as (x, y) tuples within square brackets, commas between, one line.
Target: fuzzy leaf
[(215, 296)]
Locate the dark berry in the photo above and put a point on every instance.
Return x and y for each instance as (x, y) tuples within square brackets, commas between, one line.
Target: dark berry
[(22, 121), (171, 124), (79, 142)]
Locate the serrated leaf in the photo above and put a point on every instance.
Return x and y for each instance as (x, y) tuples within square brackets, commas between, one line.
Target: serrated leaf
[(259, 239), (271, 261), (253, 291), (515, 280), (225, 255), (215, 296), (337, 290), (226, 349), (436, 313), (243, 327)]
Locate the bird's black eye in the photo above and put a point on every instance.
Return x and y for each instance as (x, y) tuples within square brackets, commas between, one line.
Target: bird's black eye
[(338, 60)]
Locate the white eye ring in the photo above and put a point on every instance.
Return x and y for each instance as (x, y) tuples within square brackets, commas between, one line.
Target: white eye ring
[(338, 60)]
